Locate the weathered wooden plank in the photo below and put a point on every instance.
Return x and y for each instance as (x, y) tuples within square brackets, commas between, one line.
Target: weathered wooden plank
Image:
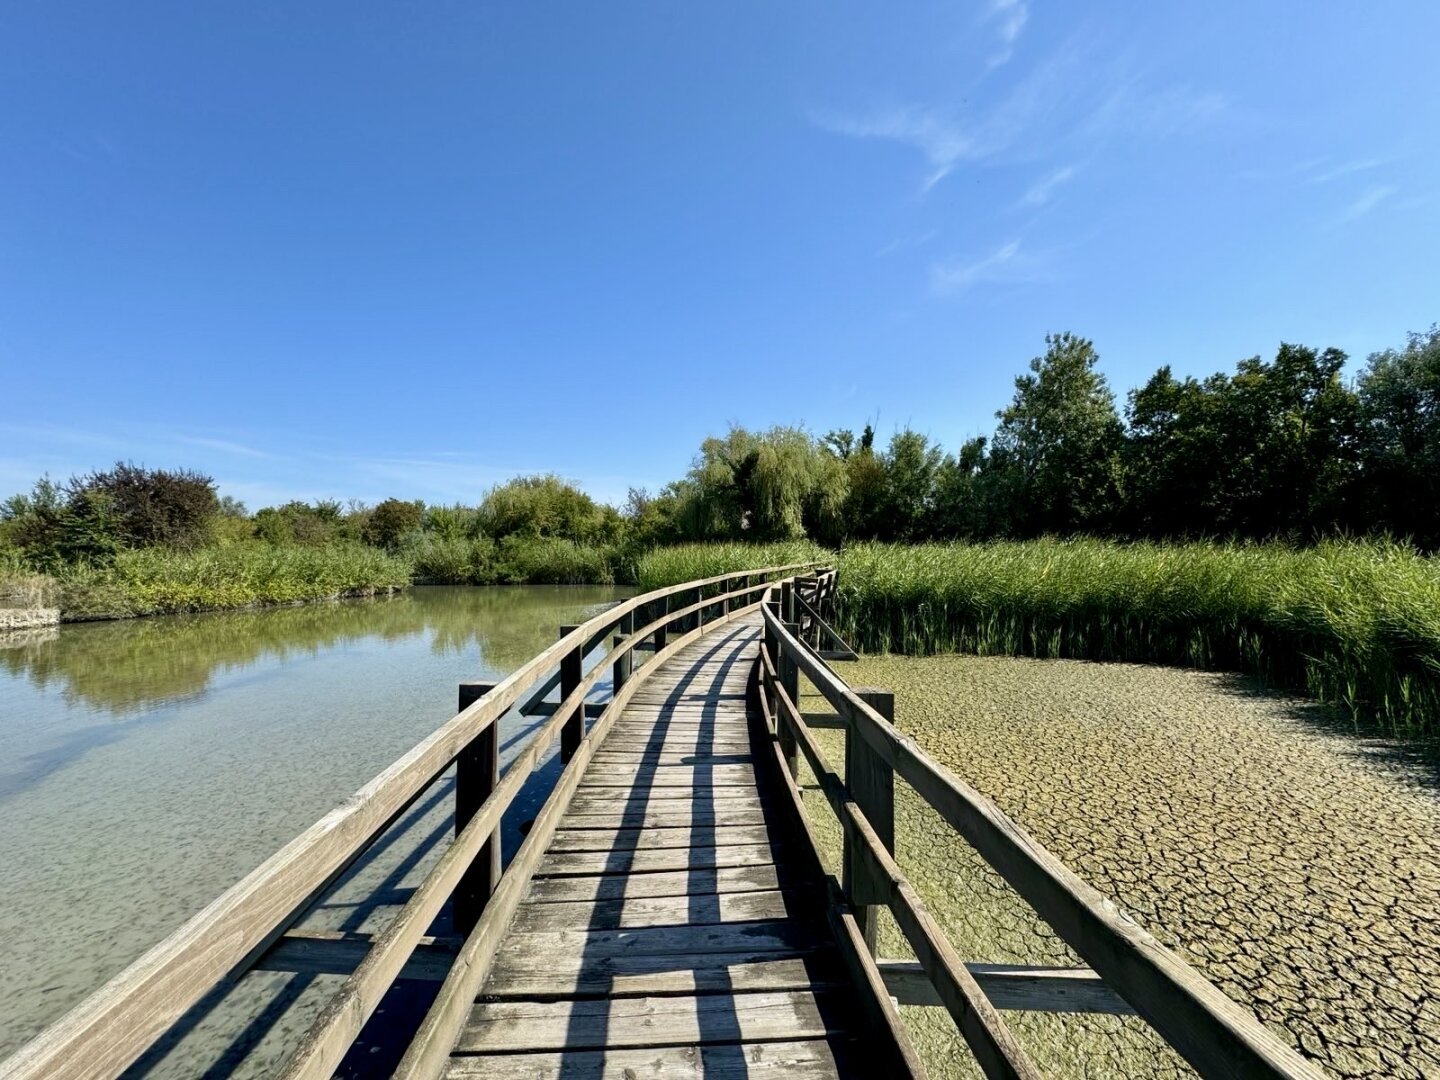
[(689, 882), (662, 837), (675, 815), (687, 942), (660, 751), (653, 911), (569, 864), (641, 976), (700, 758), (334, 952), (649, 1021), (601, 774), (610, 799), (792, 1060), (1009, 986)]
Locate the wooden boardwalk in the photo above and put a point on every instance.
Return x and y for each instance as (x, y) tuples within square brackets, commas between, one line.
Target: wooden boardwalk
[(662, 930), (668, 914)]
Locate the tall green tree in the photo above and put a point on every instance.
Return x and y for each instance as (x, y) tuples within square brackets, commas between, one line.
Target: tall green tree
[(1058, 443), (1399, 406), (912, 464)]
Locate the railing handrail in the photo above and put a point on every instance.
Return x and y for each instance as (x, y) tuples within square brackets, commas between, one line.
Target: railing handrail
[(1210, 1030), (107, 1031)]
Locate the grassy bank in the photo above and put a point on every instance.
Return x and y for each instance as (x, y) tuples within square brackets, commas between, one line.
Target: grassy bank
[(157, 581), (1354, 624), (154, 581)]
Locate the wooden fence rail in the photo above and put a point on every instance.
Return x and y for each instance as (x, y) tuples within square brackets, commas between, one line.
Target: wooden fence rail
[(1213, 1033), (239, 931)]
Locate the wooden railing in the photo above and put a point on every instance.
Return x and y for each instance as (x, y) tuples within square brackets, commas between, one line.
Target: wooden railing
[(1129, 969), (250, 925)]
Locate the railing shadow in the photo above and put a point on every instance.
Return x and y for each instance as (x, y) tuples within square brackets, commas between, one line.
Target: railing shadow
[(718, 1022)]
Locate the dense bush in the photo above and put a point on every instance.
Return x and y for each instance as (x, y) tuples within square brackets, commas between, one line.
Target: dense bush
[(549, 508), (152, 507), (308, 525), (391, 521)]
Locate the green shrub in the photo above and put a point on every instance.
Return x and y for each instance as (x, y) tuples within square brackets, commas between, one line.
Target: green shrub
[(453, 560), (391, 521), (548, 507), (1355, 624), (530, 561)]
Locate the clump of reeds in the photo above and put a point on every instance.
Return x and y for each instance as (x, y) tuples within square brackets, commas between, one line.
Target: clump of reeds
[(159, 580), (1354, 623), (690, 562)]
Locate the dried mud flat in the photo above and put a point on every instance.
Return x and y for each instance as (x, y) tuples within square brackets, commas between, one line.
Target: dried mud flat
[(1296, 865)]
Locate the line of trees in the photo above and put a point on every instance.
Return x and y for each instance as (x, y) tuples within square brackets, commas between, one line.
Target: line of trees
[(1285, 448)]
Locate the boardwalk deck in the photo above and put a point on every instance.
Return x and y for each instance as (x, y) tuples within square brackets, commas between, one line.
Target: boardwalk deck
[(663, 933)]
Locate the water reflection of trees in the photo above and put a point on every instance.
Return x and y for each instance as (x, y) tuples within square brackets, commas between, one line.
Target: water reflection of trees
[(136, 664)]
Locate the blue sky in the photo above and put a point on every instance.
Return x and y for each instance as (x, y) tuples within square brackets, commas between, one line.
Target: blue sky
[(360, 249)]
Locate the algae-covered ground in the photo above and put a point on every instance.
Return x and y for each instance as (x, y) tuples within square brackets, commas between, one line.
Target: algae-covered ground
[(1293, 863)]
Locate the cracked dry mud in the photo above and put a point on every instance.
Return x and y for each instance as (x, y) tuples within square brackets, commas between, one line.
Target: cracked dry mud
[(1294, 864)]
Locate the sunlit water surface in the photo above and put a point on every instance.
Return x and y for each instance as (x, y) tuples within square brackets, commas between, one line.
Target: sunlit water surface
[(147, 765)]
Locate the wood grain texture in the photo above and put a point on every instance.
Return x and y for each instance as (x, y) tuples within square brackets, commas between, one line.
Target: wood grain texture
[(651, 1021), (800, 1060)]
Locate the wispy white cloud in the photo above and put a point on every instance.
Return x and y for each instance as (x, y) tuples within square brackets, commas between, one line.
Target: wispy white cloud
[(927, 130), (906, 243), (1010, 17), (223, 445), (1369, 201), (1008, 264), (1039, 193), (1320, 172)]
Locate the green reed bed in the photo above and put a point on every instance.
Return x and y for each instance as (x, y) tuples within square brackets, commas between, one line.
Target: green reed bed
[(690, 562), (513, 560), (156, 581), (1354, 624)]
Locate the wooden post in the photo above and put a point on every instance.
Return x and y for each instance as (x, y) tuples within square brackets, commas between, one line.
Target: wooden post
[(572, 666), (626, 663), (787, 600), (872, 785), (664, 631), (790, 680), (477, 771)]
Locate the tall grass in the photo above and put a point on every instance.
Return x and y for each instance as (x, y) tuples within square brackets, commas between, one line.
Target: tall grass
[(458, 560), (1355, 624), (689, 562), (156, 581)]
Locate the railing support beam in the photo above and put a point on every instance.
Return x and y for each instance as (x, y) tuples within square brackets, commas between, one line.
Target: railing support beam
[(871, 781), (625, 662), (790, 682), (572, 667), (477, 771)]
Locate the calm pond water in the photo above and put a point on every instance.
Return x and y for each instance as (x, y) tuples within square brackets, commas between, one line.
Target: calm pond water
[(147, 765)]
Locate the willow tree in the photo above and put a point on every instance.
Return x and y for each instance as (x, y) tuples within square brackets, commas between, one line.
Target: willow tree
[(771, 485)]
